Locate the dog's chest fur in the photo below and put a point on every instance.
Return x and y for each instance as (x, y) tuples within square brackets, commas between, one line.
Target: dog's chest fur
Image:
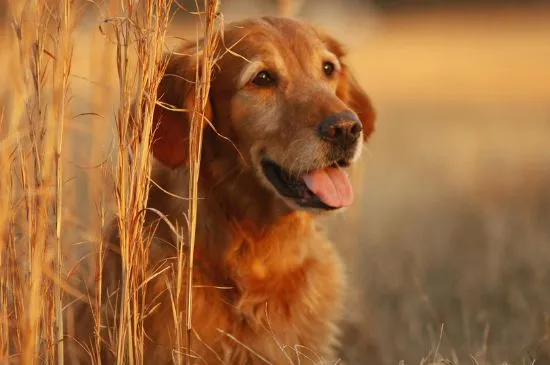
[(273, 292)]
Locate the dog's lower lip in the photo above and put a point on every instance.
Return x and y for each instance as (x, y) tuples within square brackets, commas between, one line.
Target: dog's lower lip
[(344, 163), (341, 163), (291, 187)]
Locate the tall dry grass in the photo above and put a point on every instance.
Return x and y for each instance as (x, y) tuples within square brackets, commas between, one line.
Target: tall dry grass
[(37, 265), (34, 117), (198, 122)]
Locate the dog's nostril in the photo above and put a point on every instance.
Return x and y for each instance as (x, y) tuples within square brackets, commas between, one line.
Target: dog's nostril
[(337, 131), (331, 132), (356, 129)]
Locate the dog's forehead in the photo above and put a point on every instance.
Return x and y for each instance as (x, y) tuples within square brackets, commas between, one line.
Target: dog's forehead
[(255, 37)]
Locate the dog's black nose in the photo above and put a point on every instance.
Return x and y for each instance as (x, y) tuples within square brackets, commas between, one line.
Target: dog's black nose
[(341, 128)]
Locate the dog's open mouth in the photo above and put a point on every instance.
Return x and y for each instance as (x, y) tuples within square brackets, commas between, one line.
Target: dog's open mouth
[(324, 188)]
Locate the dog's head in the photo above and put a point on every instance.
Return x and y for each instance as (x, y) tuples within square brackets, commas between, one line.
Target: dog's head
[(284, 96)]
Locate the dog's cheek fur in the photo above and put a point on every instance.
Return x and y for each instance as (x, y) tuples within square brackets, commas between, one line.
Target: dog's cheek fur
[(255, 116), (265, 129)]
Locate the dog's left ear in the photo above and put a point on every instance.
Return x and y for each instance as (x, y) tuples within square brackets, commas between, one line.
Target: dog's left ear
[(177, 109), (352, 94), (349, 90)]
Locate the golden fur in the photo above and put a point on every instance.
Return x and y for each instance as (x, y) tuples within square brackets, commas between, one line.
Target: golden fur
[(264, 272)]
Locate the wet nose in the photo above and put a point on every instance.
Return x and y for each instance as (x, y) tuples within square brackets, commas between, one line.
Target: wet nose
[(341, 128)]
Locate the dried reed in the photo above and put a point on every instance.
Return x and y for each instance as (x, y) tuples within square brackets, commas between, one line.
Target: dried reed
[(211, 38)]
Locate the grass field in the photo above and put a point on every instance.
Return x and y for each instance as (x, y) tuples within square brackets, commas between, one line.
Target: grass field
[(448, 245)]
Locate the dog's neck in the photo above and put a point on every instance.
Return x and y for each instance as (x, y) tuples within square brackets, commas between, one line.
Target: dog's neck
[(248, 229)]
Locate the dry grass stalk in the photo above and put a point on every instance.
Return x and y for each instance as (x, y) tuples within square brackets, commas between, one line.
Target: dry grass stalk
[(32, 182), (62, 70), (205, 60), (140, 29), (5, 292)]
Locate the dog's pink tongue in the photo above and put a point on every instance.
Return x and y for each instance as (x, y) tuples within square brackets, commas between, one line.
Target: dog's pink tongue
[(331, 185)]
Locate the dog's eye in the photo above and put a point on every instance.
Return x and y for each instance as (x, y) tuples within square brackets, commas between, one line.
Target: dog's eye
[(264, 78), (328, 68)]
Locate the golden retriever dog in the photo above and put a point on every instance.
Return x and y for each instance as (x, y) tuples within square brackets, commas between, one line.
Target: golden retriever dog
[(269, 285)]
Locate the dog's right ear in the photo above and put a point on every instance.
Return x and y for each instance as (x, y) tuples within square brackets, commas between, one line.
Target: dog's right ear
[(349, 90), (175, 108)]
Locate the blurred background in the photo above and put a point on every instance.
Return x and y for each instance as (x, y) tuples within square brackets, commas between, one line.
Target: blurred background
[(448, 244)]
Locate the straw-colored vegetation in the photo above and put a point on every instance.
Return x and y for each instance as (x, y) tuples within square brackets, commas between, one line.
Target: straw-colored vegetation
[(38, 261)]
